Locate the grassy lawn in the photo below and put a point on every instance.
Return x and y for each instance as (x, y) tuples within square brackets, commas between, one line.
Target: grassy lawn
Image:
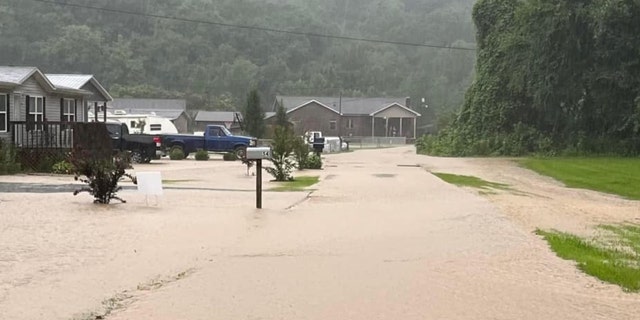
[(299, 184), (613, 257), (469, 181), (620, 176)]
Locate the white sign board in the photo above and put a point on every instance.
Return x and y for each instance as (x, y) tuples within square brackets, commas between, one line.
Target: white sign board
[(149, 183)]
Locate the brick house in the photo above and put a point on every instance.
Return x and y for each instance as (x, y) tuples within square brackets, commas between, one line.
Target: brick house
[(349, 117)]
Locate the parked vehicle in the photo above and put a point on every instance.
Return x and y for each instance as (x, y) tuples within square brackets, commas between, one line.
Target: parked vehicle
[(216, 138), (142, 147)]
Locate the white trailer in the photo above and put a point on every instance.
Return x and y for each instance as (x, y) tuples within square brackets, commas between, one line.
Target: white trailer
[(140, 123)]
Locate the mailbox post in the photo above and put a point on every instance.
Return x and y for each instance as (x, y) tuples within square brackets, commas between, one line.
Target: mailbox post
[(258, 154)]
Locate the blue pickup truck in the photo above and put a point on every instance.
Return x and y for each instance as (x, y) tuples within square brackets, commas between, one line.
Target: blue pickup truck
[(216, 138)]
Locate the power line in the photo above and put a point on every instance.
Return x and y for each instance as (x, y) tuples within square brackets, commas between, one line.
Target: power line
[(230, 25)]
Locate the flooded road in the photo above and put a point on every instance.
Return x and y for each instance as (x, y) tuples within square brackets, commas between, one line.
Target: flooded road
[(379, 238)]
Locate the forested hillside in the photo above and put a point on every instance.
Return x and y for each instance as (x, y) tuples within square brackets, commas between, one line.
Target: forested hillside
[(214, 66), (552, 76)]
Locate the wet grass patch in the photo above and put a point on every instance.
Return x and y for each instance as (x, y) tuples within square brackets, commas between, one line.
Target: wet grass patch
[(619, 176), (613, 256), (299, 184), (470, 181)]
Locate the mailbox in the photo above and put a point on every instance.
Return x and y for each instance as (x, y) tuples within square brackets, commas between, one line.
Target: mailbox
[(258, 153), (318, 144)]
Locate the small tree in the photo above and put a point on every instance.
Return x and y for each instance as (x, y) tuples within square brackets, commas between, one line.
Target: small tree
[(301, 152), (253, 115), (282, 152), (101, 175)]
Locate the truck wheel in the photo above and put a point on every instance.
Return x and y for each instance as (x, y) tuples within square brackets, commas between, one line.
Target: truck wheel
[(241, 152), (136, 157)]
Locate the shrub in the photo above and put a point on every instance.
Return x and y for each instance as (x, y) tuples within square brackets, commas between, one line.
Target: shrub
[(101, 175), (314, 162), (63, 167), (281, 157), (301, 153), (202, 155), (229, 156), (176, 154), (8, 159)]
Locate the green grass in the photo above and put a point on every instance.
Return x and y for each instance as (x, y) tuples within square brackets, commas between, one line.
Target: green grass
[(470, 181), (613, 258), (299, 184), (620, 176)]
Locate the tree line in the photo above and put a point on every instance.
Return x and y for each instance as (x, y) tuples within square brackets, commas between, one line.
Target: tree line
[(214, 67), (552, 77)]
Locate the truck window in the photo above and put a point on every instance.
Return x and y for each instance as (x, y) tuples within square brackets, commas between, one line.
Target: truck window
[(215, 132), (155, 127)]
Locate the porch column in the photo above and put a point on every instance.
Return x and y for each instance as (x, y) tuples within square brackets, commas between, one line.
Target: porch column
[(95, 112), (401, 133), (373, 126), (386, 127), (415, 124)]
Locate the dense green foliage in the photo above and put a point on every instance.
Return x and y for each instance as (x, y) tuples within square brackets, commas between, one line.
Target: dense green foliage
[(176, 154), (215, 66), (253, 116), (9, 163), (612, 175), (314, 161), (202, 155), (551, 76)]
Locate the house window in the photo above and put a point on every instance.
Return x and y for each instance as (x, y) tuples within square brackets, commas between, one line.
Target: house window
[(333, 125), (36, 111), (69, 110), (4, 121), (349, 123), (155, 127)]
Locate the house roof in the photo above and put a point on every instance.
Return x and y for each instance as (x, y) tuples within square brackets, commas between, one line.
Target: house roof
[(350, 105), (168, 108), (77, 81), (217, 116), (15, 76), (395, 105)]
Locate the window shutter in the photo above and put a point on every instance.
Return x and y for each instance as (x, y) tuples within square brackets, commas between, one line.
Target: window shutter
[(8, 113), (75, 110), (30, 125), (44, 109), (61, 109)]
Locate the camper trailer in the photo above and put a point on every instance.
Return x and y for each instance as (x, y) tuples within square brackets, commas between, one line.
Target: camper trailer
[(140, 123)]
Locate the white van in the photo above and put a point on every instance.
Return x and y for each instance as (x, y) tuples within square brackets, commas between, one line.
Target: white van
[(140, 123)]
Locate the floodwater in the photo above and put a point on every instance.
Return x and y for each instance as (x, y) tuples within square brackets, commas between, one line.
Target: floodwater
[(379, 238)]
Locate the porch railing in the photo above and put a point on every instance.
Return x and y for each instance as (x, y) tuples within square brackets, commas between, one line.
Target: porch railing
[(42, 135)]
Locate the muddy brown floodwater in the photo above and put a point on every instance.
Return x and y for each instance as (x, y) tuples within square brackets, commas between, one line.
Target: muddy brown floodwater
[(379, 238)]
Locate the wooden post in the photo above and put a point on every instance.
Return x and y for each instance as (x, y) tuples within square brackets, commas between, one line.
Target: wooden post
[(259, 184), (415, 124), (105, 111), (95, 111)]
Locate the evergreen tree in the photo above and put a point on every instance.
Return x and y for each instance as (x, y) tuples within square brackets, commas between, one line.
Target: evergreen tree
[(282, 119), (253, 115)]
